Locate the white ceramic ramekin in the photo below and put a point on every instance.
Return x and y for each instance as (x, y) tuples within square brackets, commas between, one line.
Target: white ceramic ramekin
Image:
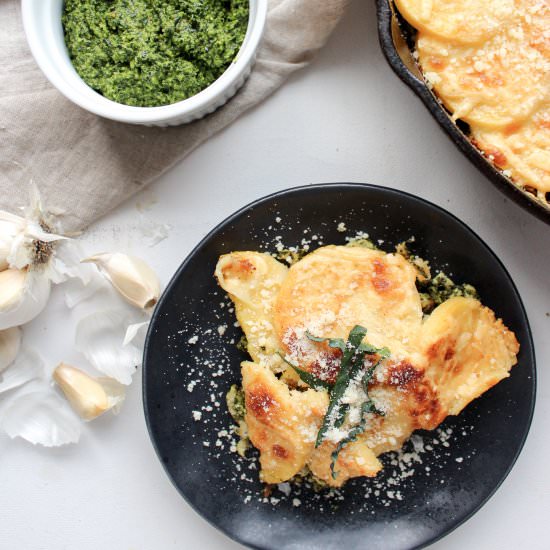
[(42, 22)]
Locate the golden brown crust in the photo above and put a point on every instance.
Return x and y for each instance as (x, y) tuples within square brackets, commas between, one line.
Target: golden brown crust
[(488, 61), (523, 149), (282, 423), (355, 460), (468, 351)]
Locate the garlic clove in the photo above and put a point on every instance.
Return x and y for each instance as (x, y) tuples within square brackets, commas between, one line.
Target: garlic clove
[(8, 232), (89, 397), (12, 287), (136, 282), (4, 253), (23, 295), (10, 342), (86, 396)]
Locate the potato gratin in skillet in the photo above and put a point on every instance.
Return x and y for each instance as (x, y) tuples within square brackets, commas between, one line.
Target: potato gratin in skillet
[(489, 63), (352, 349)]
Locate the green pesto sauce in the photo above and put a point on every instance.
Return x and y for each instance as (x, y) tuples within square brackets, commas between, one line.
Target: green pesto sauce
[(236, 403), (442, 288), (148, 53)]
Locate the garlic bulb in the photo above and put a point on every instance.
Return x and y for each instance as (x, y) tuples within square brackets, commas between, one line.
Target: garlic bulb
[(32, 256), (26, 241), (12, 285), (23, 295), (10, 342), (90, 397), (136, 282)]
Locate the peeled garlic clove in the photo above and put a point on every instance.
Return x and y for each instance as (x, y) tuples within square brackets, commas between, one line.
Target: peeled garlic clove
[(90, 397), (85, 395), (23, 295), (4, 253), (8, 231), (12, 287), (10, 342), (131, 277)]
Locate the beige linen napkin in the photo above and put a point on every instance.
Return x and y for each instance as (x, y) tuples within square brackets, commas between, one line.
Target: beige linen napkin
[(85, 165)]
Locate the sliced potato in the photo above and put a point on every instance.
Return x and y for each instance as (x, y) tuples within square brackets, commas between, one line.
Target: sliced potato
[(458, 21)]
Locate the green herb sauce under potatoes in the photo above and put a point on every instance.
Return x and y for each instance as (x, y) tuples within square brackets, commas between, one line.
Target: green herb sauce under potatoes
[(149, 53)]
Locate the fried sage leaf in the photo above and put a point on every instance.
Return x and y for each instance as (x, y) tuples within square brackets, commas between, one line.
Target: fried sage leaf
[(353, 434), (337, 343), (307, 377), (367, 406), (334, 411), (352, 363)]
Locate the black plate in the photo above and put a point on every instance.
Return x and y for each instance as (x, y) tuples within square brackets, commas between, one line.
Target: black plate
[(396, 40), (453, 480)]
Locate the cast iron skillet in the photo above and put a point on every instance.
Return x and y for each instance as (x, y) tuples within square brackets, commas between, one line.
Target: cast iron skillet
[(184, 351), (396, 40)]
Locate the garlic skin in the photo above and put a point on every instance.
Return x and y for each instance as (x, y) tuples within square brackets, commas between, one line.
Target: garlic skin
[(136, 282), (133, 331), (10, 343), (89, 397), (41, 417), (23, 295), (28, 366), (65, 264), (100, 336)]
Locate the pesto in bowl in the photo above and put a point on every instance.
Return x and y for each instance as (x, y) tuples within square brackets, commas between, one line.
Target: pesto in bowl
[(149, 53)]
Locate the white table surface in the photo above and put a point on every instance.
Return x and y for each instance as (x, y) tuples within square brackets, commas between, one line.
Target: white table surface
[(344, 118)]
